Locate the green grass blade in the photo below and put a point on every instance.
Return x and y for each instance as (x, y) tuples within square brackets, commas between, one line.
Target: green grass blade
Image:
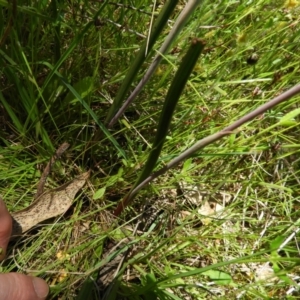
[(11, 113), (56, 30), (27, 99), (186, 67), (72, 46), (87, 290), (176, 29), (218, 135), (176, 88), (90, 111), (141, 56)]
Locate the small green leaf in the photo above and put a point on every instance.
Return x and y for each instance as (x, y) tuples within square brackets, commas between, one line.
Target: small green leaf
[(125, 123), (187, 165), (150, 278), (99, 194), (231, 139), (83, 88), (118, 234), (288, 123), (275, 244), (276, 61), (218, 277), (219, 90), (115, 178), (289, 118), (87, 290)]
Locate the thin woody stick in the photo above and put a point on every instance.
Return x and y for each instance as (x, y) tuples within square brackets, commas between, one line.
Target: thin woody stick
[(58, 153), (207, 141)]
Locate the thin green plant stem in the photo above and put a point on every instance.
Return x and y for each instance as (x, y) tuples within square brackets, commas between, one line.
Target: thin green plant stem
[(72, 46), (179, 24), (11, 113), (216, 136), (28, 101), (56, 30), (181, 77), (196, 271), (10, 23), (26, 10), (158, 26), (90, 111)]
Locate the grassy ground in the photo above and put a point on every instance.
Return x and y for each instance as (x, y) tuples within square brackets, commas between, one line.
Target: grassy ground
[(252, 55)]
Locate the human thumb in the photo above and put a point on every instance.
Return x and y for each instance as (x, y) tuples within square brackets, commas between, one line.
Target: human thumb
[(22, 287)]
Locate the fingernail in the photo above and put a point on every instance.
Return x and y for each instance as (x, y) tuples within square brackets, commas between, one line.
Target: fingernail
[(41, 287)]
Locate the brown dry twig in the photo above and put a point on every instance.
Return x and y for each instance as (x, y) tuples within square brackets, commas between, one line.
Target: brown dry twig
[(58, 153), (207, 141)]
